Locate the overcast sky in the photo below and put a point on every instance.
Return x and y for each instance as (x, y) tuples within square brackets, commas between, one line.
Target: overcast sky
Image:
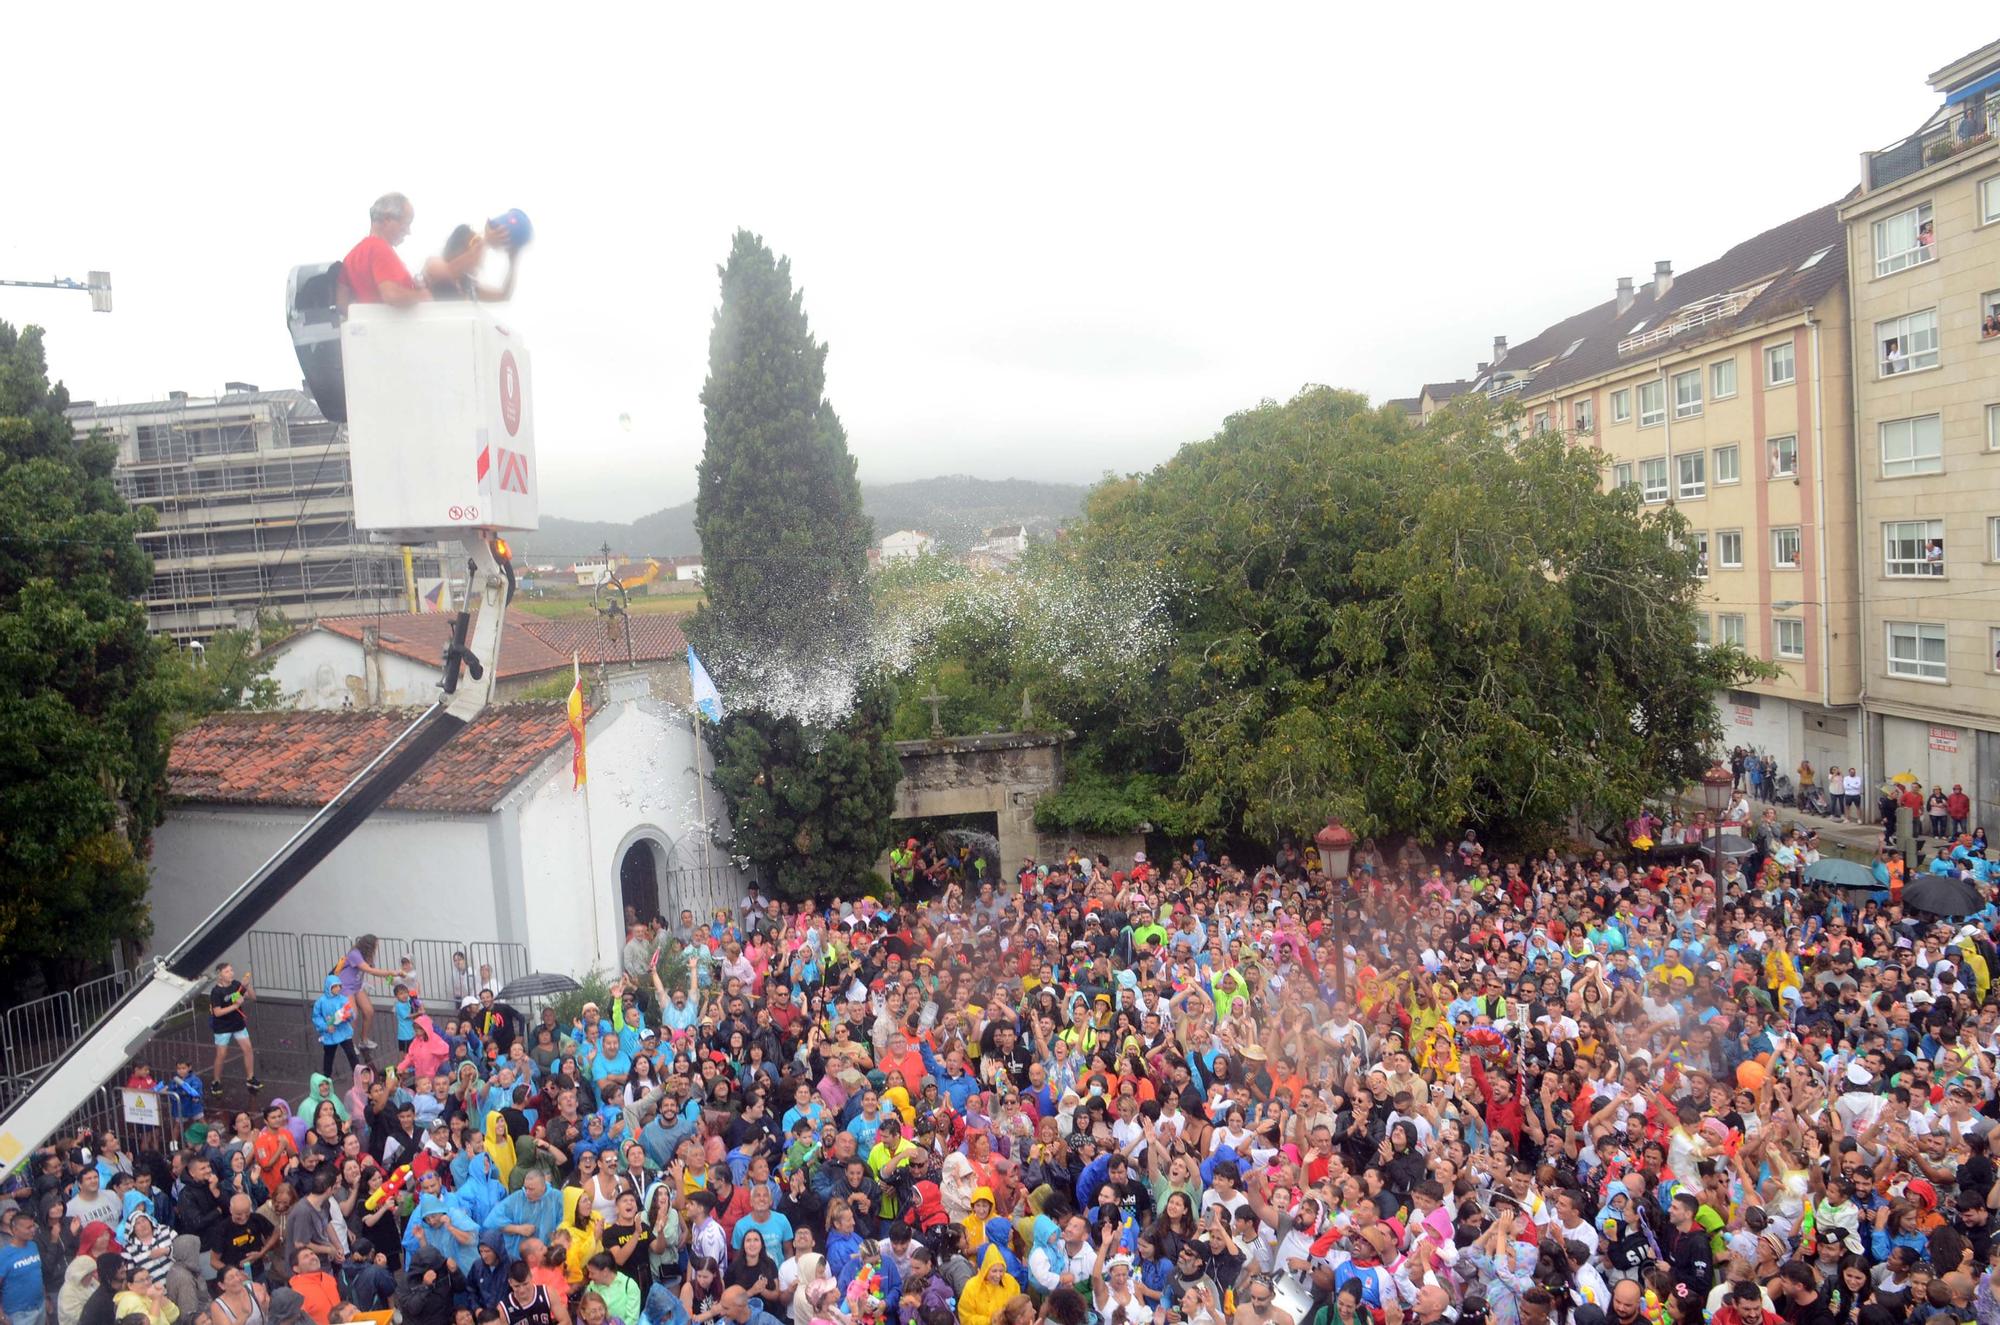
[(1043, 241)]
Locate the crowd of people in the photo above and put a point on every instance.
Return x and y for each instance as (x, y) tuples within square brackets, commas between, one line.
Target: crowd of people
[(1446, 1088)]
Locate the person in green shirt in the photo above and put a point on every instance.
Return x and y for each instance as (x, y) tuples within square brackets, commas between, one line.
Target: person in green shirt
[(620, 1294)]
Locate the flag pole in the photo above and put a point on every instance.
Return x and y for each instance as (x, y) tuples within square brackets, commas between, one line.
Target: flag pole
[(589, 847), (700, 784)]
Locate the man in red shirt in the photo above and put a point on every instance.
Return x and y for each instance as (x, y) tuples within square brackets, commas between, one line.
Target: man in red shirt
[(371, 273)]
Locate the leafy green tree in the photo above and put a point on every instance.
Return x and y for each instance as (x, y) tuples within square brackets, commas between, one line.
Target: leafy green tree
[(230, 671), (802, 757), (1412, 628), (82, 744)]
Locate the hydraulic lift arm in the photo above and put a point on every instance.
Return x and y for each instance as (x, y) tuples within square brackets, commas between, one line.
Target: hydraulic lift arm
[(470, 673)]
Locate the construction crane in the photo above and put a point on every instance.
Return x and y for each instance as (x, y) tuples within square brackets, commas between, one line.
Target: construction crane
[(441, 441)]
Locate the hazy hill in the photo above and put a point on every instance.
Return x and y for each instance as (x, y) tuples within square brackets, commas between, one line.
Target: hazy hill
[(953, 508)]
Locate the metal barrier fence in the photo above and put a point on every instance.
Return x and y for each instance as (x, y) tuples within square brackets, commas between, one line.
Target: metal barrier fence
[(296, 965)]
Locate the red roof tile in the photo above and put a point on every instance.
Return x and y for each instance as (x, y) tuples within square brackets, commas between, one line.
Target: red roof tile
[(305, 758), (530, 645)]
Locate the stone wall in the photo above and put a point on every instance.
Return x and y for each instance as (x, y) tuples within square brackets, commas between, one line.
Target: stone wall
[(1002, 774)]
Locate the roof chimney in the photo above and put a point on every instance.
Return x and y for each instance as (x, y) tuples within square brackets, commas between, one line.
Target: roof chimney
[(178, 397), (1499, 349), (1625, 295), (1663, 278), (1481, 370)]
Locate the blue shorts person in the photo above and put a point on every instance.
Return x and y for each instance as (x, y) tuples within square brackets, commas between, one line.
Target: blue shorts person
[(229, 1025)]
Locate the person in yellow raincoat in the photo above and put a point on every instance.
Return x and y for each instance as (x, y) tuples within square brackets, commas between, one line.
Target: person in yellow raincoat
[(974, 1224), (987, 1291), (1969, 959), (898, 1098), (584, 1228), (1781, 970), (1438, 1054), (500, 1145)]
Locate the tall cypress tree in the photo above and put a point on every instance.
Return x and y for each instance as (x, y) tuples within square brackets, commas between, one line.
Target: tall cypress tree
[(802, 757)]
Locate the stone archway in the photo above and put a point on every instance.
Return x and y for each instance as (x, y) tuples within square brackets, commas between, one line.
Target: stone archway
[(1002, 774), (641, 865)]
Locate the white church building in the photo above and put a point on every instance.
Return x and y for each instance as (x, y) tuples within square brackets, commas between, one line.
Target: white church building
[(492, 843)]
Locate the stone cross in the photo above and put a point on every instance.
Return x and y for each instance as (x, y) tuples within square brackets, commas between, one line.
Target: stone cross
[(936, 701)]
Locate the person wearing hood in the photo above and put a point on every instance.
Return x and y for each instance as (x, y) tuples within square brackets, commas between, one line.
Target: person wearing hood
[(333, 1018), (428, 1050), (149, 1245), (988, 1290), (452, 1233), (79, 1282), (425, 1297), (1047, 1261), (534, 1211), (185, 1283), (980, 1214), (486, 1281), (285, 1308), (321, 1089)]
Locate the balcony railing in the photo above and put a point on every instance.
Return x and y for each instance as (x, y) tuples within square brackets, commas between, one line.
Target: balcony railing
[(1506, 389), (1939, 141), (1698, 314)]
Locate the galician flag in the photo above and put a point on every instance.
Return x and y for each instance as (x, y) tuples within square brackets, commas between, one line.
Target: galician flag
[(576, 720), (706, 699)]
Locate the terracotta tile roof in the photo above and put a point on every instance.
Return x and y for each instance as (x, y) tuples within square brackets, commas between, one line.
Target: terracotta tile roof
[(305, 758), (530, 645), (656, 637)]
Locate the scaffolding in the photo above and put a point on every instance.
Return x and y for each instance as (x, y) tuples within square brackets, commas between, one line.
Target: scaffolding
[(254, 512)]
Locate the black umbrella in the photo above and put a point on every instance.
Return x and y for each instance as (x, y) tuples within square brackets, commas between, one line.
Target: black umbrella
[(538, 984), (1833, 872), (1936, 895), (1729, 844)]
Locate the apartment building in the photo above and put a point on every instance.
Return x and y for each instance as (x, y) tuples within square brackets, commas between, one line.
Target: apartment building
[(255, 511), (1924, 272), (1723, 393)]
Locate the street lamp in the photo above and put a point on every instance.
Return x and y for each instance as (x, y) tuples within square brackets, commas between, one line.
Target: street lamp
[(1336, 846), (1716, 785), (97, 286)]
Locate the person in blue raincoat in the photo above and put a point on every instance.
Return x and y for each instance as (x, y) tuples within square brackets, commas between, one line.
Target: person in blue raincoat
[(452, 1233), (333, 1018), (534, 1211)]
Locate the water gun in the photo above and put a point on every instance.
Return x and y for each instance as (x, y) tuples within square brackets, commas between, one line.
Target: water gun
[(390, 1189), (237, 997)]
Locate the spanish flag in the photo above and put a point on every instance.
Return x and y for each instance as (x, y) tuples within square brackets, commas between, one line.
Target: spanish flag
[(576, 719)]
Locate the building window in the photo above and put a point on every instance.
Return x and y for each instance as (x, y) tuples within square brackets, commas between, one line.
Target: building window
[(1702, 633), (1903, 240), (1906, 344), (1621, 406), (1989, 201), (1586, 415), (1729, 549), (1912, 446), (1729, 625), (1993, 538), (1917, 649), (1728, 465), (1541, 422), (1780, 365), (1791, 633), (1652, 403), (1722, 379), (1653, 479), (1993, 644), (1701, 554), (1993, 427), (1784, 456), (1913, 547), (1687, 394), (1621, 475), (1693, 475), (1989, 315), (1785, 547)]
